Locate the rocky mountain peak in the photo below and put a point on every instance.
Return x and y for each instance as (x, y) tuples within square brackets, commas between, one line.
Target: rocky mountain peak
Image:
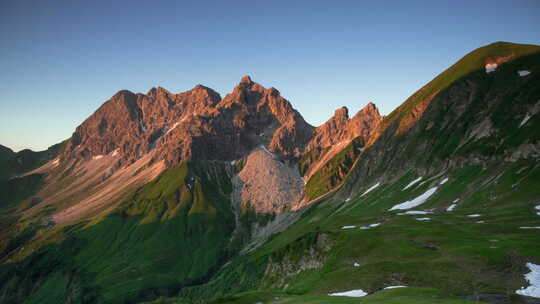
[(370, 107), (341, 115), (368, 111), (199, 125), (203, 96), (203, 89), (157, 91), (365, 122), (274, 92), (246, 80), (339, 128), (196, 124)]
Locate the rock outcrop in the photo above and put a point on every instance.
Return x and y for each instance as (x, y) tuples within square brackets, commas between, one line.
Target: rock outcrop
[(340, 128), (266, 185), (336, 134)]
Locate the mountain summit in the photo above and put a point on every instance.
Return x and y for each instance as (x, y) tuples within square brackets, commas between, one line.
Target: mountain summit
[(192, 125)]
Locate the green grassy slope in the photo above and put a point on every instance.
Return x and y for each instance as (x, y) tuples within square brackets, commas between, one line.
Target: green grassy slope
[(171, 233), (474, 61), (476, 119), (397, 296), (333, 172), (509, 97), (452, 253)]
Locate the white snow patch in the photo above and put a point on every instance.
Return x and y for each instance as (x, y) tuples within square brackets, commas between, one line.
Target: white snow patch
[(533, 277), (456, 200), (356, 264), (530, 227), (266, 150), (143, 127), (97, 157), (233, 162), (370, 226), (415, 212), (451, 207), (443, 181), (393, 287), (474, 215), (423, 218), (537, 207), (371, 188), (351, 293), (348, 227), (480, 222), (525, 119), (412, 183), (415, 202), (523, 73), (491, 67), (521, 170)]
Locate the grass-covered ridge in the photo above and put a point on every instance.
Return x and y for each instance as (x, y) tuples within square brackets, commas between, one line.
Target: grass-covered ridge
[(331, 174), (179, 192), (310, 157), (477, 119), (474, 61), (12, 164)]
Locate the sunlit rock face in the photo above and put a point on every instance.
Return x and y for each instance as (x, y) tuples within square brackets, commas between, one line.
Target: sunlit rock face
[(267, 185)]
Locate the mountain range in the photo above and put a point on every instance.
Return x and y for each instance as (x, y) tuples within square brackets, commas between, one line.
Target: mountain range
[(193, 198)]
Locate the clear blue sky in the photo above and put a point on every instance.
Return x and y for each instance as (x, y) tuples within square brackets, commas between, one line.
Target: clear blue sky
[(60, 60)]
